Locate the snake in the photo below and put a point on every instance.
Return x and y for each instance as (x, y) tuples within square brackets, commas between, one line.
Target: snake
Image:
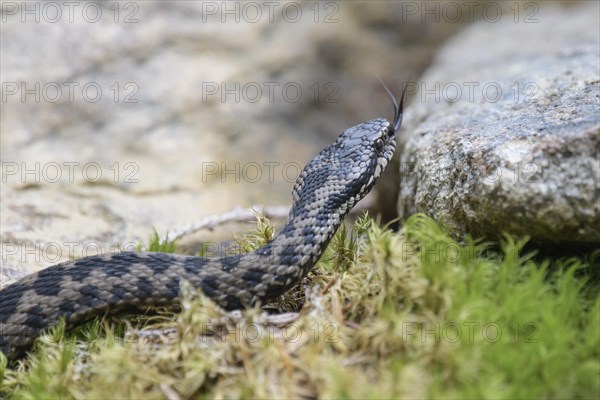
[(325, 191)]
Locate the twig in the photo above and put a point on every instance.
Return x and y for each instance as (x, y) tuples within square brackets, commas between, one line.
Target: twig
[(330, 284), (169, 392), (247, 214), (237, 214)]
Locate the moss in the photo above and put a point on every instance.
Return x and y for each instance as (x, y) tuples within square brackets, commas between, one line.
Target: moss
[(412, 314)]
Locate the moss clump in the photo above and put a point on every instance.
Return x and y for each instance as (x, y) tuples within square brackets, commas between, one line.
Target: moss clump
[(385, 315)]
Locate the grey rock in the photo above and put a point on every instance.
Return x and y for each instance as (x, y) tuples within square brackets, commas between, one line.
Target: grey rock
[(522, 157)]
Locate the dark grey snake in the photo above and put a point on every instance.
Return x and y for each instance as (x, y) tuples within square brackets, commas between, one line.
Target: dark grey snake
[(326, 190)]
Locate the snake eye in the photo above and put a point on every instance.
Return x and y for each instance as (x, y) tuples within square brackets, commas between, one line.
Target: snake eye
[(390, 131), (379, 143)]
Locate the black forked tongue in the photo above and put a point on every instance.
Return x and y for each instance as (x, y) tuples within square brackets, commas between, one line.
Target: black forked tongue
[(398, 108)]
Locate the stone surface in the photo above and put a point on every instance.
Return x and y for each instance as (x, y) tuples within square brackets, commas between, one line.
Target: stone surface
[(522, 157), (161, 141)]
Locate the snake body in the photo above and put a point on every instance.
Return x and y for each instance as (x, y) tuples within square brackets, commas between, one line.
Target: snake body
[(325, 191)]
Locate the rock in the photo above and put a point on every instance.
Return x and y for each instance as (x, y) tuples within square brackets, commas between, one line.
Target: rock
[(519, 154)]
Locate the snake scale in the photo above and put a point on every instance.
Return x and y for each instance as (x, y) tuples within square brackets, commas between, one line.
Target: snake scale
[(325, 191)]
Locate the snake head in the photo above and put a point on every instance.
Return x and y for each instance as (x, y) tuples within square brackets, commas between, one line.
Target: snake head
[(375, 141), (363, 152), (345, 171)]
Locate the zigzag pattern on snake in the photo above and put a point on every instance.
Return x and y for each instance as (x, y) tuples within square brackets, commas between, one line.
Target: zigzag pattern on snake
[(326, 190)]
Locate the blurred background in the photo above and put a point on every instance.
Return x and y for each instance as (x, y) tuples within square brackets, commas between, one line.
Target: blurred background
[(120, 116)]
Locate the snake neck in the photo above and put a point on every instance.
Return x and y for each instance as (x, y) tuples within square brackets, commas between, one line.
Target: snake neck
[(320, 205), (303, 239), (300, 243)]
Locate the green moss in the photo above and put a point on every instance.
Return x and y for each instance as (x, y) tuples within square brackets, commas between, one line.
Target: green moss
[(412, 314), (156, 244)]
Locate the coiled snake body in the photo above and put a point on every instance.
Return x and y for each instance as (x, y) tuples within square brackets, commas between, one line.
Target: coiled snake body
[(326, 190)]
